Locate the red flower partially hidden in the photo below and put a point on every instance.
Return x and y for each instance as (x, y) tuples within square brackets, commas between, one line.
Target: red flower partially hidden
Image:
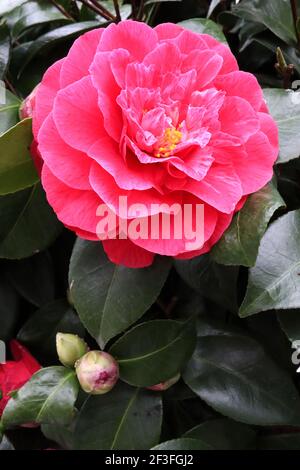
[(14, 374)]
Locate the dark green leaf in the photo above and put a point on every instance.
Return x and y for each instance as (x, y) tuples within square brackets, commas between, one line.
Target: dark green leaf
[(154, 351), (280, 442), (274, 282), (4, 49), (223, 434), (40, 330), (232, 373), (33, 13), (33, 278), (239, 244), (17, 170), (108, 297), (62, 435), (55, 36), (48, 397), (290, 323), (204, 26), (126, 418), (9, 115), (275, 15), (8, 5), (213, 5), (9, 310), (284, 108), (182, 444), (212, 280), (5, 444), (28, 224)]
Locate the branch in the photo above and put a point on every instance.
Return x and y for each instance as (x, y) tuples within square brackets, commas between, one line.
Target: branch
[(117, 9)]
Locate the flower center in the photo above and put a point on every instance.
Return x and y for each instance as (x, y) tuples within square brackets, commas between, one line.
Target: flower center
[(168, 142)]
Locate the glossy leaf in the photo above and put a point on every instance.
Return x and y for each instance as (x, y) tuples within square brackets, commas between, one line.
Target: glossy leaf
[(274, 282), (280, 442), (239, 244), (33, 278), (290, 323), (17, 170), (9, 309), (33, 13), (126, 418), (7, 5), (4, 49), (40, 330), (28, 223), (204, 26), (48, 397), (212, 280), (9, 111), (108, 297), (154, 351), (231, 372), (284, 106), (223, 434), (275, 15), (53, 37), (182, 444)]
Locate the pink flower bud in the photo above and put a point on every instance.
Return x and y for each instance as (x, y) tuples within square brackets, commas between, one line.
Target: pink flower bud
[(97, 372), (27, 106), (164, 385)]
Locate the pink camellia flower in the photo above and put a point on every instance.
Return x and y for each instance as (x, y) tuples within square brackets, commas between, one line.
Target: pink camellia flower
[(160, 116)]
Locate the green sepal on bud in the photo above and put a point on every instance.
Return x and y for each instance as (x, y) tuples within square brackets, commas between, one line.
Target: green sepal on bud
[(97, 372), (70, 348)]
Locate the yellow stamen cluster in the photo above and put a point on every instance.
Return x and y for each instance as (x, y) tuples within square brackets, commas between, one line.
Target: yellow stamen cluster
[(168, 142)]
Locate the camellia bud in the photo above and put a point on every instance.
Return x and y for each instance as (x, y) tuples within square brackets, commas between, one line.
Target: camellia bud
[(70, 348), (97, 372), (164, 385), (27, 106)]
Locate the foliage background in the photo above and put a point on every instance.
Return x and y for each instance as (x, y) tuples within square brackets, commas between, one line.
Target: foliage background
[(226, 320)]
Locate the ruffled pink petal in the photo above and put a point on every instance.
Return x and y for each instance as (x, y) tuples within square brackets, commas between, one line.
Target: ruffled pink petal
[(45, 95), (207, 65), (138, 38), (220, 188), (73, 207), (108, 90), (77, 116), (127, 175), (188, 41), (168, 30), (255, 169), (126, 253), (76, 64), (174, 246), (139, 203), (242, 84), (68, 164), (238, 118), (223, 222), (166, 57), (229, 61), (83, 234)]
